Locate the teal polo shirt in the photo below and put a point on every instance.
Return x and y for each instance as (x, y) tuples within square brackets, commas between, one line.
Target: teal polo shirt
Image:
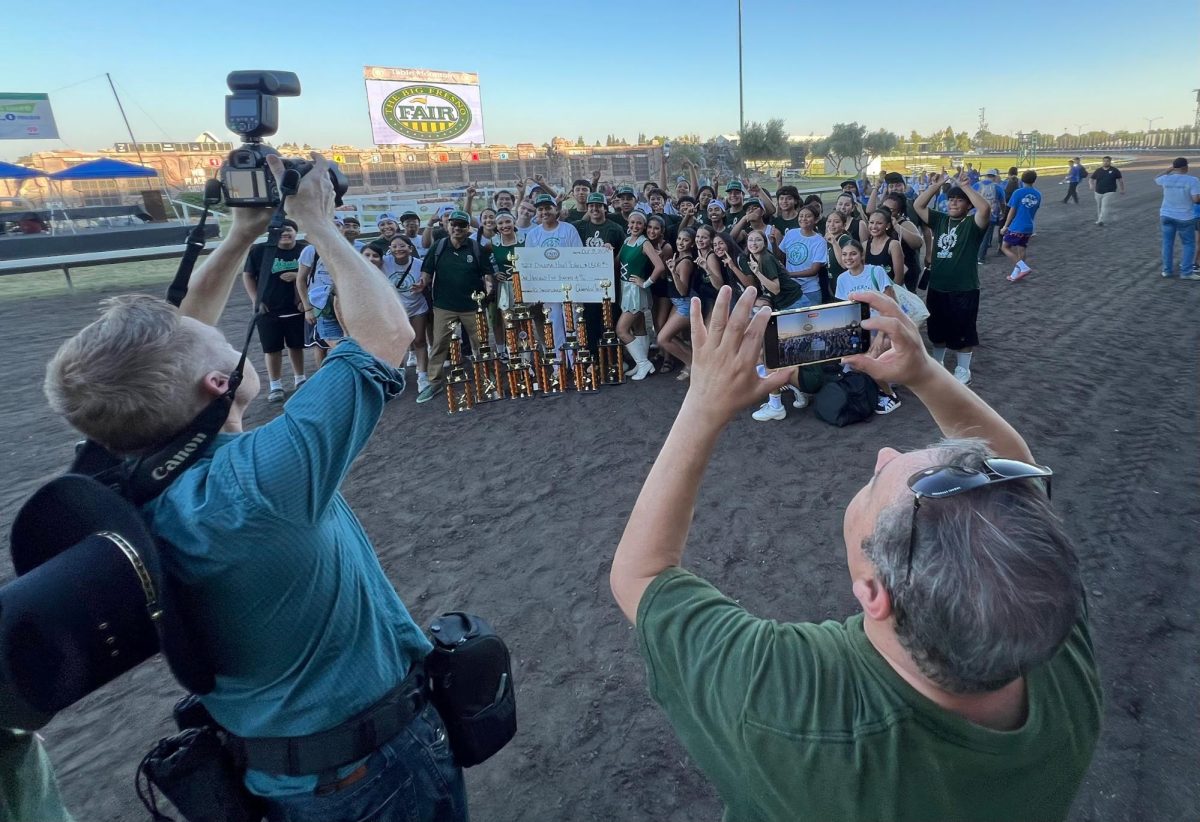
[(306, 629)]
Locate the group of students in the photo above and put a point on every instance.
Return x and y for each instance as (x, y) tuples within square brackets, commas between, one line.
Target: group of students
[(797, 251)]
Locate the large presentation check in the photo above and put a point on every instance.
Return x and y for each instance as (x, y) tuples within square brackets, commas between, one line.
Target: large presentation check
[(544, 271)]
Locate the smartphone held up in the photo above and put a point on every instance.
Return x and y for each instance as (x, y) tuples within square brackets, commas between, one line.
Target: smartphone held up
[(819, 334)]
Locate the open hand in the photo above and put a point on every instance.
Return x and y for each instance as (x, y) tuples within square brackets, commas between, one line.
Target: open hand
[(724, 355)]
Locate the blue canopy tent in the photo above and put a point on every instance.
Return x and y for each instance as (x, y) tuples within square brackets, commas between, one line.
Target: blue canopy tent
[(103, 169), (9, 171)]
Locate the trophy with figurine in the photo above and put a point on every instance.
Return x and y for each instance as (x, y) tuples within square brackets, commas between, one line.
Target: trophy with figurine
[(612, 364), (551, 376), (587, 375), (459, 390), (570, 346), (519, 372), (489, 377)]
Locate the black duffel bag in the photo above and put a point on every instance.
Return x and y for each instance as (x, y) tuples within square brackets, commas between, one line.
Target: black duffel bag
[(847, 400), (471, 685)]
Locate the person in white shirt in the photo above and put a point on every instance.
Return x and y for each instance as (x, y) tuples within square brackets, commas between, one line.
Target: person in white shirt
[(803, 253), (403, 269), (1177, 216), (550, 231), (861, 277)]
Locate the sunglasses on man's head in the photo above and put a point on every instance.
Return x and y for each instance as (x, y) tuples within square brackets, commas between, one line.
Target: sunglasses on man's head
[(943, 481)]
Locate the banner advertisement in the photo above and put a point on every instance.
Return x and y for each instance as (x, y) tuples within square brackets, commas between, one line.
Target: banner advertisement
[(417, 107), (545, 269), (26, 117)]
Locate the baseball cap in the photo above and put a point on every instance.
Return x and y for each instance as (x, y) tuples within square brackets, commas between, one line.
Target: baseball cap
[(957, 193), (893, 177), (457, 216), (995, 172), (626, 189), (852, 183), (409, 215), (716, 204), (1179, 162), (387, 215), (351, 219), (544, 199), (734, 185), (596, 197), (753, 201)]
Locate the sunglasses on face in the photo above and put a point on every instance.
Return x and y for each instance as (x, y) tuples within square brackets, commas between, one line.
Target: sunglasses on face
[(943, 481)]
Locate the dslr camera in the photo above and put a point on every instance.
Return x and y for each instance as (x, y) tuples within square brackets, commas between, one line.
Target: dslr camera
[(252, 110)]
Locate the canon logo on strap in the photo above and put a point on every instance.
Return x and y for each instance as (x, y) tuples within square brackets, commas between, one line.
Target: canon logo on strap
[(179, 457)]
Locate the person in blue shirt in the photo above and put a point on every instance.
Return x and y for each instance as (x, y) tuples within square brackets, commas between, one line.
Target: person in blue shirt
[(305, 629), (1177, 216), (989, 186), (1075, 174), (1018, 226)]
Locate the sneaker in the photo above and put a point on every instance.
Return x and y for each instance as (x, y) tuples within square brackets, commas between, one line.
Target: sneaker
[(683, 375), (429, 392), (1099, 223), (422, 383), (1019, 275), (1167, 274), (645, 369), (411, 362), (886, 404), (799, 398), (962, 375), (767, 413), (1192, 276), (275, 395)]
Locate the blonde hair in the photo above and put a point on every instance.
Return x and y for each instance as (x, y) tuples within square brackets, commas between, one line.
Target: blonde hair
[(131, 380)]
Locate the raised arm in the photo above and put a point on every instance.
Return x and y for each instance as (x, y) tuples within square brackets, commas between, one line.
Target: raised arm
[(208, 290), (373, 315), (921, 204), (983, 209), (957, 410), (725, 355)]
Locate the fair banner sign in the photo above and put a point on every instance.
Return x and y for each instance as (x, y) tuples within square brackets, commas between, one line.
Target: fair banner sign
[(26, 117), (546, 269), (419, 107)]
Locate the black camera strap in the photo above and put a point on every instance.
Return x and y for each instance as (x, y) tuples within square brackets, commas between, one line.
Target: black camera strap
[(142, 479), (195, 244)]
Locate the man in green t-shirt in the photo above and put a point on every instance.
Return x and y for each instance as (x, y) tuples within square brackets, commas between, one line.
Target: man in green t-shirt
[(455, 268), (600, 231), (624, 203), (953, 297), (966, 689)]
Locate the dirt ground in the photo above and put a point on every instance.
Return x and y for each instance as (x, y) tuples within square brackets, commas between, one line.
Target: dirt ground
[(513, 511)]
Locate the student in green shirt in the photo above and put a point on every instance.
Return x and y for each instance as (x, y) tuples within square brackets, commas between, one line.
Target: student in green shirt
[(953, 296), (966, 689)]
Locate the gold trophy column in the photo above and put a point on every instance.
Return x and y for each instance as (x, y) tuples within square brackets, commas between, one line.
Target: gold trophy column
[(518, 335), (489, 379), (587, 377), (612, 365), (459, 391), (551, 376)]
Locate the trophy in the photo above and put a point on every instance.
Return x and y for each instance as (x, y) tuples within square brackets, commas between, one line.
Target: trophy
[(549, 371), (570, 346), (612, 364), (489, 379), (587, 376), (520, 380), (459, 391)]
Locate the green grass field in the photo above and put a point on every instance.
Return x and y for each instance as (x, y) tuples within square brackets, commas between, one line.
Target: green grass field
[(149, 276)]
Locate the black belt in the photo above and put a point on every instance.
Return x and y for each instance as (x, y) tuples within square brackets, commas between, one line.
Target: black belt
[(352, 740)]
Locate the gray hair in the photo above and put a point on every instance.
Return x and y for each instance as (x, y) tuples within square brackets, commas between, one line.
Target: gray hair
[(994, 588), (131, 380)]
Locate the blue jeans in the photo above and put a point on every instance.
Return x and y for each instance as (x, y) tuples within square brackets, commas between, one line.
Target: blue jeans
[(1186, 229), (413, 777)]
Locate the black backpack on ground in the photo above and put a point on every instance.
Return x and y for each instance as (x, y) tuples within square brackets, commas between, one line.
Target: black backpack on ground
[(847, 400)]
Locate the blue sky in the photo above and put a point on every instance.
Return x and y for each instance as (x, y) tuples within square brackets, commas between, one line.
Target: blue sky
[(573, 68)]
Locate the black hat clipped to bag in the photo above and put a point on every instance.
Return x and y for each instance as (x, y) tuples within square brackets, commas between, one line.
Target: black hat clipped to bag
[(89, 603)]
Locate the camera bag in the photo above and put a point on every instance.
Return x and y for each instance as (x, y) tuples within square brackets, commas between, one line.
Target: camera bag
[(846, 400), (471, 685)]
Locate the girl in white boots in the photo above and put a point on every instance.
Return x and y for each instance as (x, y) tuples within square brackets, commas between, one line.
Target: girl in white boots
[(635, 257)]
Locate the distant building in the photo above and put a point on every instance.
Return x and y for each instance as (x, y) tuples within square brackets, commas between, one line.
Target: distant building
[(185, 166)]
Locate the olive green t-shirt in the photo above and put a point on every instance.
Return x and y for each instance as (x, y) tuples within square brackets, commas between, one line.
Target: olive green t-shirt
[(458, 275), (789, 289), (783, 225), (595, 236), (955, 252), (806, 722)]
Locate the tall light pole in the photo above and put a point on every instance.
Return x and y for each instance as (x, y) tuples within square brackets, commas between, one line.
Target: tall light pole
[(1150, 122), (741, 86), (1079, 128)]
